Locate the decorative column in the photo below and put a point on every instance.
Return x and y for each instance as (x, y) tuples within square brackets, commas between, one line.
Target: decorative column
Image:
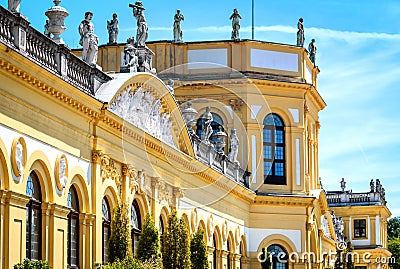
[(96, 193), (178, 193), (224, 258), (13, 227), (58, 233), (55, 25)]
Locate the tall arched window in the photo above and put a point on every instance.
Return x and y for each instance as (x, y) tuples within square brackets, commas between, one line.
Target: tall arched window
[(214, 254), (161, 231), (106, 229), (228, 258), (279, 257), (215, 124), (274, 150), (34, 219), (136, 222), (73, 229)]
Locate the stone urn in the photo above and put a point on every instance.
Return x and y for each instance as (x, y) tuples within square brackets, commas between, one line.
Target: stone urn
[(189, 116), (220, 140), (55, 25)]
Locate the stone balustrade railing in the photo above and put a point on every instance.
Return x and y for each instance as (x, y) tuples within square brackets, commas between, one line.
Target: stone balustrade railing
[(206, 153), (347, 198), (17, 34)]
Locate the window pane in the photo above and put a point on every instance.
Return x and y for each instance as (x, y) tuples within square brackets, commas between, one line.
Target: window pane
[(267, 137), (278, 136), (35, 235), (267, 152), (267, 168), (279, 169), (279, 153)]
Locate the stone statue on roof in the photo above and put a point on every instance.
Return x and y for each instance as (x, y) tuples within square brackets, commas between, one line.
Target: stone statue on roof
[(300, 33), (235, 24), (113, 29), (177, 26), (312, 51), (13, 5), (141, 34), (89, 41)]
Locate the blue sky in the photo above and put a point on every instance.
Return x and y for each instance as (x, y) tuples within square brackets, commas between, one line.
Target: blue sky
[(358, 54)]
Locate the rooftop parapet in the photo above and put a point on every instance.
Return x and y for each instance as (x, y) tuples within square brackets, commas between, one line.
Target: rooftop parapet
[(255, 59), (376, 196), (18, 35)]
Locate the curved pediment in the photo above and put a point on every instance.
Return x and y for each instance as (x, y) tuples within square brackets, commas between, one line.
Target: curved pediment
[(143, 100)]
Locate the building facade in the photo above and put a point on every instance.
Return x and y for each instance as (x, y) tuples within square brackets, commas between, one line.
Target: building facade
[(75, 141)]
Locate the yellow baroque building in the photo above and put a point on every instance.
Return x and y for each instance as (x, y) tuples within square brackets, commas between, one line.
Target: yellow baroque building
[(75, 141)]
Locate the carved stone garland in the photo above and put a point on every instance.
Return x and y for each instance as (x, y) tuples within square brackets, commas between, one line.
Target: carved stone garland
[(144, 111)]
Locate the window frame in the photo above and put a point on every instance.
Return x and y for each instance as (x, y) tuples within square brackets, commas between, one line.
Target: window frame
[(136, 231), (278, 127), (106, 224), (73, 215), (34, 204), (358, 228)]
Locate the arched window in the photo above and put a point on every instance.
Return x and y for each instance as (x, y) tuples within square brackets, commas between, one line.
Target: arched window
[(279, 257), (106, 230), (136, 222), (34, 219), (215, 124), (214, 254), (241, 255), (228, 258), (73, 229), (161, 231), (274, 150)]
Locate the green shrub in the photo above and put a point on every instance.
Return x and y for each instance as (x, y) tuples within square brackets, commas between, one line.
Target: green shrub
[(149, 241), (28, 264), (119, 243), (198, 251)]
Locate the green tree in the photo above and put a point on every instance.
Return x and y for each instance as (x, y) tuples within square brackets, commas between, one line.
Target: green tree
[(393, 228), (176, 252), (349, 264), (394, 248), (149, 241), (119, 243), (198, 251), (28, 264)]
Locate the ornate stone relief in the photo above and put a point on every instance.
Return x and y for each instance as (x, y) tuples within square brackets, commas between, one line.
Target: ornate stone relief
[(133, 175), (164, 193), (140, 108), (61, 172), (210, 226), (18, 157), (194, 219), (325, 227), (108, 169), (225, 231)]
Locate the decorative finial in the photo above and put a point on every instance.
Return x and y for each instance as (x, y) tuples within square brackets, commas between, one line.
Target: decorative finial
[(57, 2)]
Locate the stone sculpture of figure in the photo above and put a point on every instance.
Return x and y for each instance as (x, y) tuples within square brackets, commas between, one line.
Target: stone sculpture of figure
[(88, 40), (112, 27), (235, 24), (130, 58), (372, 185), (206, 125), (312, 51), (46, 29), (300, 33), (170, 85), (13, 5), (141, 34), (378, 186), (234, 147), (61, 172), (177, 25), (19, 157)]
